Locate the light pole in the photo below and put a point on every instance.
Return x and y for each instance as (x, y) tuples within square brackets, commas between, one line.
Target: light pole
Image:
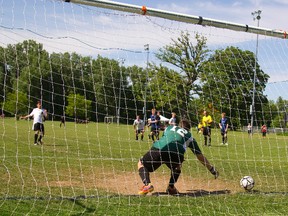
[(256, 15), (121, 61), (146, 48)]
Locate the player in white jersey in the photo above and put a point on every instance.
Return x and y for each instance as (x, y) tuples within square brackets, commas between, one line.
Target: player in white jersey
[(39, 115), (139, 125)]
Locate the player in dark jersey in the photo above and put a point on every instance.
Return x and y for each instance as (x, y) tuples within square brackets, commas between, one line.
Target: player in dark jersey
[(223, 124), (154, 123), (170, 150)]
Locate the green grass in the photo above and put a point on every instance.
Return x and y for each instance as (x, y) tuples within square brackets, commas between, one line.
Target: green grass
[(78, 168)]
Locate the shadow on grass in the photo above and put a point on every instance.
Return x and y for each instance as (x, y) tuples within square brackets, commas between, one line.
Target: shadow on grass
[(194, 193)]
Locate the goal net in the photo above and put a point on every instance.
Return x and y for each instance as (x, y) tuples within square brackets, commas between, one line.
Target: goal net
[(96, 63)]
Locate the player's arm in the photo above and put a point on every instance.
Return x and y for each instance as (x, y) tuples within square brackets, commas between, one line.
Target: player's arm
[(24, 117), (201, 158), (27, 116), (207, 164), (227, 125), (210, 119), (220, 125), (134, 125)]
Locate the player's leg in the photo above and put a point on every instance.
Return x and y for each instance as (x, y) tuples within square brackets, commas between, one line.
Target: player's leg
[(152, 133), (209, 136), (41, 130), (148, 163), (142, 135), (175, 165), (36, 137), (136, 133), (223, 137), (226, 138), (36, 129), (205, 134), (157, 132)]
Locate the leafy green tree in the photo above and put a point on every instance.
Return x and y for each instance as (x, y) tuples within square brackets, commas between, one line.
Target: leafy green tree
[(16, 103), (187, 57), (227, 83), (109, 81), (165, 88), (78, 106), (280, 114)]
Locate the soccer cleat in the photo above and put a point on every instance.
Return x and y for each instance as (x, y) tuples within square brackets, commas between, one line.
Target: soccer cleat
[(171, 190), (226, 144), (146, 189), (35, 143)]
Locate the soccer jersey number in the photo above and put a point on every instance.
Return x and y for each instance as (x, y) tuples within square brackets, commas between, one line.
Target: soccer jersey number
[(180, 131)]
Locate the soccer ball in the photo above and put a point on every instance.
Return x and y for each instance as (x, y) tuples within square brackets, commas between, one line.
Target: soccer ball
[(247, 182)]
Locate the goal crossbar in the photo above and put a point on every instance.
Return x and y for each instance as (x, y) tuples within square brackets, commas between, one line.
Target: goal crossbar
[(199, 20)]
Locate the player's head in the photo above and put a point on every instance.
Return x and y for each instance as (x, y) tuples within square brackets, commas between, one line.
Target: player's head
[(204, 112), (153, 111), (223, 115), (173, 114), (39, 104), (184, 123)]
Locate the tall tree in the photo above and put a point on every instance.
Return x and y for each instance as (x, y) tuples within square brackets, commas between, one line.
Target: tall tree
[(187, 57), (166, 89), (227, 82)]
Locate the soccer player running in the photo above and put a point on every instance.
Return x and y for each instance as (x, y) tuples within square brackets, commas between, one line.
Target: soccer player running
[(39, 115), (206, 123), (169, 150), (223, 124), (139, 127)]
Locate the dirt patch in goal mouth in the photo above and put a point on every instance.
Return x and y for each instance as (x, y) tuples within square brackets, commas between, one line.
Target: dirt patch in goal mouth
[(129, 183)]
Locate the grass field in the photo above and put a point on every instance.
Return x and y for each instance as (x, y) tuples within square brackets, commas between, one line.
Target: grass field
[(92, 169)]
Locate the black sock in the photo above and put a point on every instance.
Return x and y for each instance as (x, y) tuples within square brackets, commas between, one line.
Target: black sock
[(35, 138), (144, 175), (205, 140), (174, 176), (40, 138), (141, 137)]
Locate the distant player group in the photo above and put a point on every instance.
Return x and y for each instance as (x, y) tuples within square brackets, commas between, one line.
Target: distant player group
[(154, 122)]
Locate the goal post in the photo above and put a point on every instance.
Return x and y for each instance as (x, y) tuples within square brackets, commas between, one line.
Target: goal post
[(199, 20)]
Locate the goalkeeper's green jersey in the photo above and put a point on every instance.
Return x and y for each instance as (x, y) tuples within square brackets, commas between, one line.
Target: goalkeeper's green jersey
[(177, 139)]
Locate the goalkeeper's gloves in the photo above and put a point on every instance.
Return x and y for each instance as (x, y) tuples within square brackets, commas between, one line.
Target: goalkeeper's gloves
[(214, 172)]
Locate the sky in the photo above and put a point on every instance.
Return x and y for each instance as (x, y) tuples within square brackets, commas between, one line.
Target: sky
[(68, 27)]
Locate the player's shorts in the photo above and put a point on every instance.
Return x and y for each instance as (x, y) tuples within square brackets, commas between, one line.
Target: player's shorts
[(206, 131), (223, 133), (139, 131), (38, 127), (154, 158), (155, 130)]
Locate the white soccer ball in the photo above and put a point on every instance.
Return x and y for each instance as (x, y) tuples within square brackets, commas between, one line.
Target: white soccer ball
[(247, 182)]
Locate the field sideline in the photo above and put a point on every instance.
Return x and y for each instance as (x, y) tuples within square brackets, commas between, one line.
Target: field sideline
[(92, 169)]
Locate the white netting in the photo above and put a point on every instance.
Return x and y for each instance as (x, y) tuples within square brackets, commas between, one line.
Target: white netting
[(98, 69)]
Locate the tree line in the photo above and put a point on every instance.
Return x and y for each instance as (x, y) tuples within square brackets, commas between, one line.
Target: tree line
[(91, 88)]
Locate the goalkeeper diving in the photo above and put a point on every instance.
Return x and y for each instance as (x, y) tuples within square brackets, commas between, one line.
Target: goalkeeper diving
[(170, 150)]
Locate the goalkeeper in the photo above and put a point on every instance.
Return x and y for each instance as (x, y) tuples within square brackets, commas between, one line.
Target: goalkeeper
[(169, 150)]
